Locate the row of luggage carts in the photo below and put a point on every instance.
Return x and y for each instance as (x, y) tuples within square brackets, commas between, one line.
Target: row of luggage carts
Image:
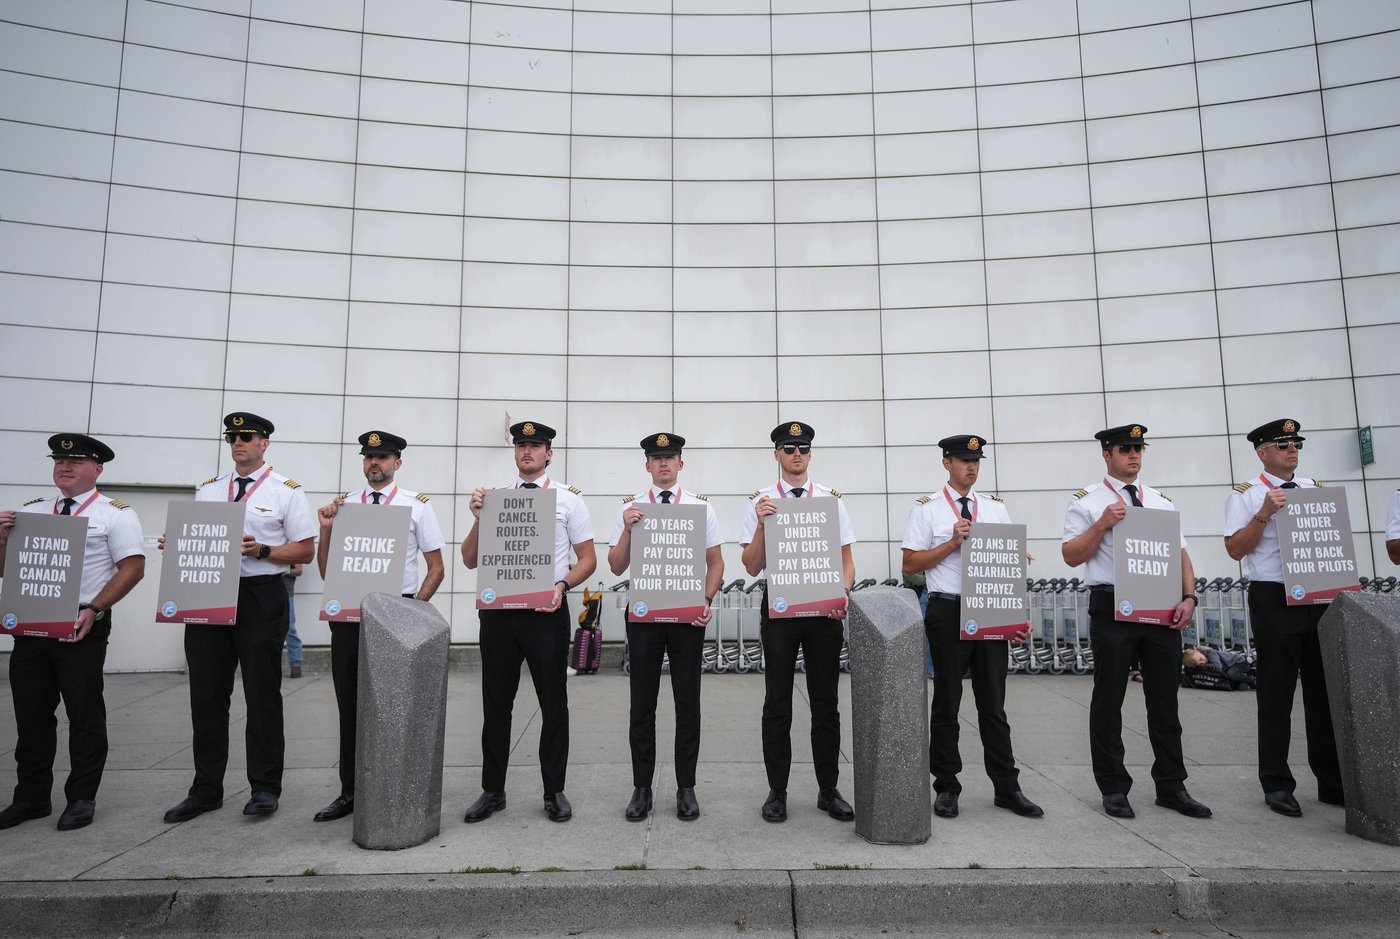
[(732, 641), (1059, 616)]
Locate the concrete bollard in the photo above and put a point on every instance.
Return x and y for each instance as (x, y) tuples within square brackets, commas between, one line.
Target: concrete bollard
[(1360, 638), (402, 721), (889, 713)]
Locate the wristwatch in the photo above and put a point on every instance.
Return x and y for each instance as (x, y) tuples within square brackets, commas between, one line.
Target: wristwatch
[(1192, 597), (263, 552), (98, 614)]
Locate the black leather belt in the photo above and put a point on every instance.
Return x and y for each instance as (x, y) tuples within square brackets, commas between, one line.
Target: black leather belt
[(1100, 588), (938, 595)]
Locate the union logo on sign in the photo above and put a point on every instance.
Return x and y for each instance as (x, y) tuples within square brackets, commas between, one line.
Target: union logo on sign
[(488, 595), (971, 627), (639, 608), (168, 608), (10, 621), (1297, 592), (1125, 608), (780, 605), (332, 607)]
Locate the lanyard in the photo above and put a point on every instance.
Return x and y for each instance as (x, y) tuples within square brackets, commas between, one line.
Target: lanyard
[(1265, 480), (675, 496), (543, 485), (957, 512), (233, 478), (364, 496), (1121, 500), (787, 493), (79, 509)]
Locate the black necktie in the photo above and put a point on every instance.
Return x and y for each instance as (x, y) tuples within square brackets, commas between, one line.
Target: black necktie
[(1289, 485), (666, 496), (376, 496), (529, 485), (67, 506), (1132, 494), (795, 492), (243, 483), (966, 512)]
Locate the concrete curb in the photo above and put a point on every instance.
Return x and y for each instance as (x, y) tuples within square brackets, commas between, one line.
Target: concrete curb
[(703, 902)]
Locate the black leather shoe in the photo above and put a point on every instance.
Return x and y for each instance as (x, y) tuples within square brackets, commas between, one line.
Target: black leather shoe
[(1182, 802), (1282, 802), (945, 805), (775, 807), (1116, 804), (557, 807), (1018, 803), (830, 802), (78, 815), (192, 807), (481, 809), (1331, 798), (262, 803), (341, 807), (687, 808), (24, 811), (640, 806)]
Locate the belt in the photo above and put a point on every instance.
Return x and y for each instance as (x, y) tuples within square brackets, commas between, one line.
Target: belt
[(938, 595), (260, 579), (1100, 588)]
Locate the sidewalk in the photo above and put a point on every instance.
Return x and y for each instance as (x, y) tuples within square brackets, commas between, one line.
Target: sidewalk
[(1076, 869)]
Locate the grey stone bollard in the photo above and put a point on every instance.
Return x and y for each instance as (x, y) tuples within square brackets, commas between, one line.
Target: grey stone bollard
[(1360, 638), (889, 715), (402, 720)]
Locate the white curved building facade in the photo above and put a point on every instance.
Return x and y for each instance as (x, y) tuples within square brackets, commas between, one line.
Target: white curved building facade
[(895, 220)]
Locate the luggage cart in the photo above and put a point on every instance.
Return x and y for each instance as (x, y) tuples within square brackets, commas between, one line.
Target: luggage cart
[(1236, 616), (619, 591), (1018, 657), (1071, 650), (731, 599), (1042, 655), (1214, 619), (1189, 634), (716, 658), (754, 595)]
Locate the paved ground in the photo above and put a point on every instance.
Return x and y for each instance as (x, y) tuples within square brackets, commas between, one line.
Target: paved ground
[(1246, 871)]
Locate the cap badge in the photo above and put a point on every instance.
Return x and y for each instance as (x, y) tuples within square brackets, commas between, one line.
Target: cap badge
[(1289, 427), (528, 430), (973, 443), (795, 430), (1135, 432), (662, 440), (66, 444), (237, 422), (374, 440)]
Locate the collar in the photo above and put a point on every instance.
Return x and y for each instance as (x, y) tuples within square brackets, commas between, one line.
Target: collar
[(784, 488), (80, 498), (542, 481), (1276, 480)]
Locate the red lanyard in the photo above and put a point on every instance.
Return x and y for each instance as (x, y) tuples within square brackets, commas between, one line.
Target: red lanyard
[(957, 513), (364, 496), (787, 493), (233, 478), (675, 496), (79, 510), (1121, 500), (1265, 480), (543, 485)]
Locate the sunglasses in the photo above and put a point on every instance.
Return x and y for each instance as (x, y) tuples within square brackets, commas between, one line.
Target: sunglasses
[(791, 448), (246, 436), (1130, 447), (1289, 444)]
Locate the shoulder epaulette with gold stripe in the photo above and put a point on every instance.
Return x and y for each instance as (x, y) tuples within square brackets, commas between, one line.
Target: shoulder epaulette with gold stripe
[(422, 497), (119, 504), (32, 501), (836, 493), (1165, 496), (291, 484), (700, 497), (209, 480), (576, 490), (1317, 483), (754, 494), (995, 498), (1080, 493), (1243, 487), (628, 499), (924, 500)]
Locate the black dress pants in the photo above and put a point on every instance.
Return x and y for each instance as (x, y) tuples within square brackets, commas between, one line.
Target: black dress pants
[(1158, 652), (820, 638), (1286, 639), (646, 644), (541, 640), (41, 672), (985, 659), (252, 646)]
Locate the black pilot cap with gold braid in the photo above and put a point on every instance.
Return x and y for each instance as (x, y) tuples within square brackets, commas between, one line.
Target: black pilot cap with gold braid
[(79, 447)]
